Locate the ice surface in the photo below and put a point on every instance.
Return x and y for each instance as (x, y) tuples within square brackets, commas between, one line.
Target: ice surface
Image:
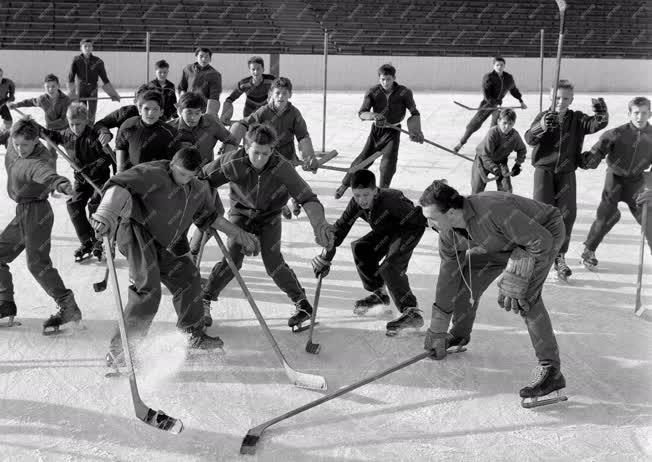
[(57, 405)]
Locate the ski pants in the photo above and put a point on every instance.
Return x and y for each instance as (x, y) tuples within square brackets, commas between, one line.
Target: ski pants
[(268, 229), (477, 120), (484, 269), (618, 189), (83, 195), (387, 141), (31, 230), (396, 251), (150, 264), (558, 189)]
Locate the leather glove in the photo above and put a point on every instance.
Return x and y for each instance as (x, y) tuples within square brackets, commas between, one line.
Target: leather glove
[(516, 170), (325, 235), (380, 120), (599, 105), (589, 160), (437, 342), (321, 266), (65, 188), (549, 121)]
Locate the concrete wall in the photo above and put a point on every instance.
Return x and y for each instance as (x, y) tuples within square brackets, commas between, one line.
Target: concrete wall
[(127, 70)]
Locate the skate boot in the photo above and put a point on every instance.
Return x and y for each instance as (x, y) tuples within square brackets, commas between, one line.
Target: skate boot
[(68, 312), (302, 313), (8, 310), (563, 271), (548, 379), (375, 298), (98, 250), (200, 340), (286, 212), (339, 192), (84, 251), (207, 319), (410, 318), (589, 260)]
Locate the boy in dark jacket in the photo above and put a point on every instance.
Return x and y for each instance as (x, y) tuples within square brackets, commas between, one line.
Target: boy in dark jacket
[(157, 201), (628, 150), (30, 178), (82, 145), (166, 88), (261, 182), (493, 152), (557, 137), (7, 95), (396, 229), (385, 104), (116, 118), (256, 87)]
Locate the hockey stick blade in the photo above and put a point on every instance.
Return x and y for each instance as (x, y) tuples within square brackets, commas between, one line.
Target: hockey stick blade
[(493, 108), (101, 285), (159, 419), (304, 380)]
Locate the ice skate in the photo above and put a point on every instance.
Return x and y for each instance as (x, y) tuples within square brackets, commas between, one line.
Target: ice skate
[(84, 251), (286, 212), (410, 319), (8, 310), (302, 313), (69, 312), (548, 379), (207, 319), (456, 344), (339, 192), (98, 250), (370, 301), (589, 260), (563, 271), (200, 340)]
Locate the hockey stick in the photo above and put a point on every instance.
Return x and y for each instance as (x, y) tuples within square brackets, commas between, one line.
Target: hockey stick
[(157, 419), (253, 435), (639, 308), (493, 108), (432, 143), (92, 98), (200, 253), (300, 379), (314, 347), (561, 4)]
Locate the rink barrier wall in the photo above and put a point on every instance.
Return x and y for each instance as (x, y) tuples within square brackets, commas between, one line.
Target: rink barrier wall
[(346, 72)]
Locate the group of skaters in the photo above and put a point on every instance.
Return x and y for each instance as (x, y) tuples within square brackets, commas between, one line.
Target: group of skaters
[(162, 178)]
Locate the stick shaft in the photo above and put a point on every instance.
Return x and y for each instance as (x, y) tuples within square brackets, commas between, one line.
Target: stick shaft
[(314, 308), (560, 46), (323, 128), (541, 71), (641, 258)]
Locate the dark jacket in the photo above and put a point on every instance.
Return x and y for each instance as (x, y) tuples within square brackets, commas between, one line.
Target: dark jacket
[(392, 105), (88, 71), (163, 207), (258, 194), (559, 149), (628, 149), (204, 136), (86, 151), (256, 94), (204, 80), (495, 148), (54, 109), (169, 97), (116, 118), (495, 87), (145, 143)]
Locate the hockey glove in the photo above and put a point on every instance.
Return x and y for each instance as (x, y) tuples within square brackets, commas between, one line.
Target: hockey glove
[(379, 120), (65, 188), (599, 105), (249, 242), (589, 160), (325, 235), (516, 170), (105, 137), (414, 128), (321, 266), (310, 165), (549, 121), (504, 171), (105, 218), (644, 198), (437, 336)]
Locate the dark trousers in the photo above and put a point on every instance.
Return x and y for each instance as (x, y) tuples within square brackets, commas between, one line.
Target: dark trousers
[(396, 251), (150, 264), (618, 189), (268, 231), (478, 183), (83, 195), (386, 140), (89, 91), (477, 120), (485, 268), (558, 189), (31, 230)]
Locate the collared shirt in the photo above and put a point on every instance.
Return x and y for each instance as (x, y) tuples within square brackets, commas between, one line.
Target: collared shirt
[(169, 98), (87, 70), (392, 104), (54, 109), (204, 136), (256, 94), (205, 80), (145, 143)]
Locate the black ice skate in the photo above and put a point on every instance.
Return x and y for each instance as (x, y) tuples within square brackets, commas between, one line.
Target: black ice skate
[(98, 250), (302, 313), (8, 310), (200, 340), (84, 251), (70, 313), (370, 301), (589, 260), (548, 379), (563, 271), (207, 319), (410, 319)]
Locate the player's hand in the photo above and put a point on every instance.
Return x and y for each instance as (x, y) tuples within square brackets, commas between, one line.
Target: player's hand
[(550, 120), (516, 170), (115, 98), (523, 105), (504, 171), (517, 306), (436, 342), (73, 96), (310, 165), (11, 105), (249, 242), (589, 160), (599, 105), (380, 120), (100, 224), (321, 266), (417, 136), (104, 138), (644, 198), (325, 235), (225, 119), (65, 188)]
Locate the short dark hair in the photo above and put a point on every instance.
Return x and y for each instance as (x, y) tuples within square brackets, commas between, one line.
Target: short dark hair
[(149, 95), (191, 100), (281, 83), (363, 179), (189, 157), (161, 64), (638, 101), (50, 78), (507, 114), (261, 134), (387, 69), (442, 196), (85, 40), (204, 50), (498, 59), (142, 89), (256, 60), (26, 127)]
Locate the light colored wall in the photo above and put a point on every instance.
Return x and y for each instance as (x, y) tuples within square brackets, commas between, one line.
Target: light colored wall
[(127, 70)]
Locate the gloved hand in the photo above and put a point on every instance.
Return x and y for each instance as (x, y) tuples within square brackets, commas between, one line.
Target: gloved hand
[(513, 283), (249, 242), (504, 170), (321, 266), (104, 138), (437, 342), (549, 121), (101, 224), (589, 160), (65, 188), (325, 235), (644, 198), (599, 105), (310, 165), (380, 120), (523, 105), (516, 170)]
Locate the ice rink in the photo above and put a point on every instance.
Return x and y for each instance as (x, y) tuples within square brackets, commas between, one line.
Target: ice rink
[(56, 404)]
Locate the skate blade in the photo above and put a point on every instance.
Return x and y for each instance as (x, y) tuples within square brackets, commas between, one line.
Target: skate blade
[(362, 310), (71, 327), (591, 268), (300, 328), (404, 331), (529, 403)]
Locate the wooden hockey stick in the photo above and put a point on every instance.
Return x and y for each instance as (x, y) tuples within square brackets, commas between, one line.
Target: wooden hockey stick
[(92, 98), (432, 143), (561, 4), (157, 419), (314, 347), (492, 108), (639, 308), (300, 379)]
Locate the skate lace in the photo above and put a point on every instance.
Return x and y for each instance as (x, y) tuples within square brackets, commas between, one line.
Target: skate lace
[(538, 374), (561, 263)]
